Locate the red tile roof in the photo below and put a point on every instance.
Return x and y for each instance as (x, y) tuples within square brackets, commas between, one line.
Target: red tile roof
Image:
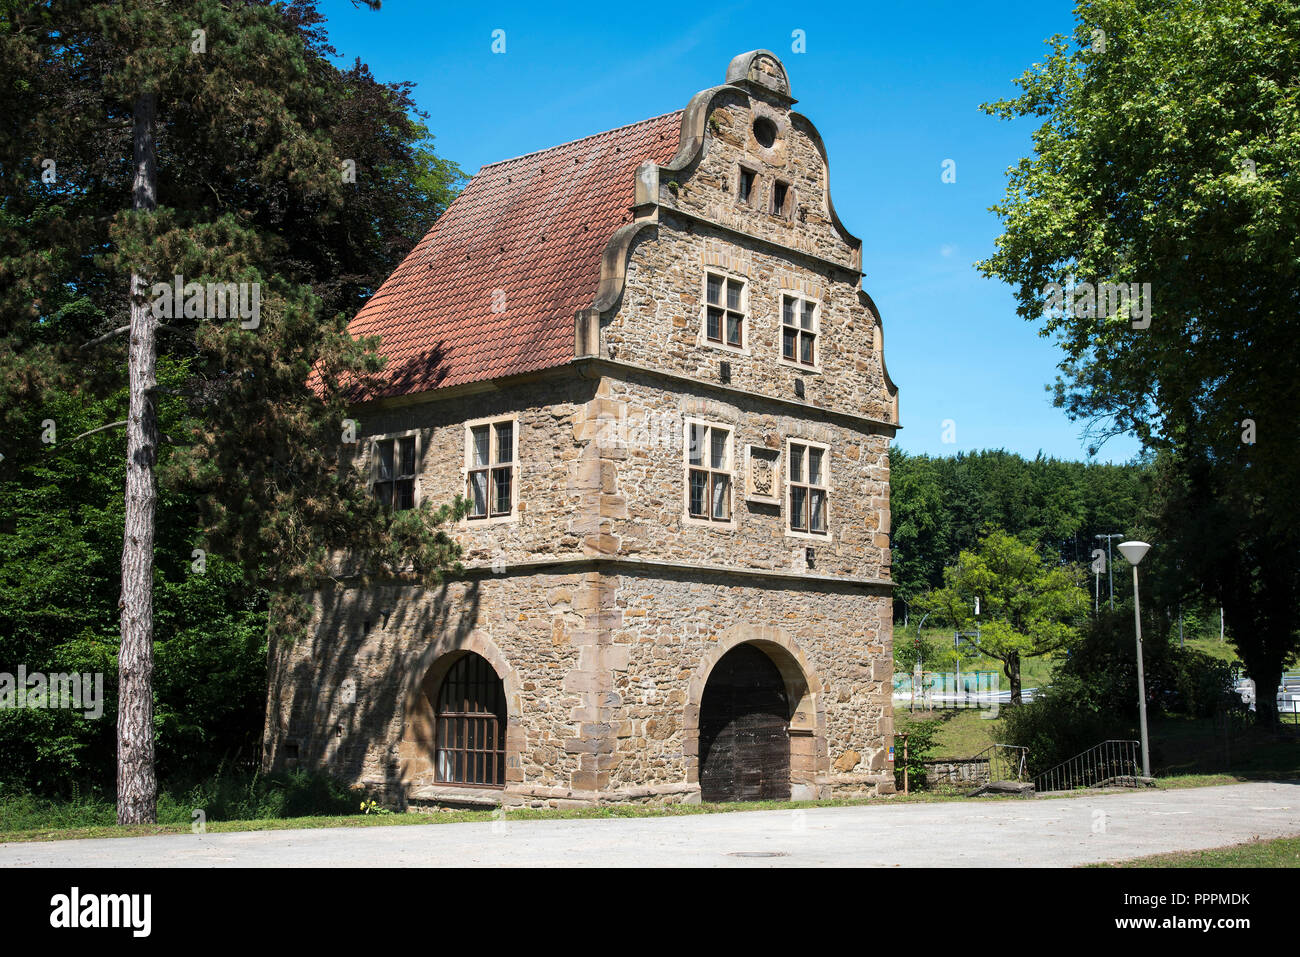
[(525, 235)]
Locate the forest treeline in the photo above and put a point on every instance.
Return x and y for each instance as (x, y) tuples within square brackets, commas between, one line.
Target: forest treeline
[(942, 504)]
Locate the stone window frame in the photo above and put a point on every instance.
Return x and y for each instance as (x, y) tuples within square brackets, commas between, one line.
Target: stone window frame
[(474, 673), (467, 467), (741, 169), (786, 212), (729, 523), (746, 316), (373, 465), (826, 486), (816, 331)]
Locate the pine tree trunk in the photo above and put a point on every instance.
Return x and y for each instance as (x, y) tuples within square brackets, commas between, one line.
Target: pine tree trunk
[(137, 787)]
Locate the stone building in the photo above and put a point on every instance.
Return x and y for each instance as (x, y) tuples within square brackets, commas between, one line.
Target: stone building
[(646, 358)]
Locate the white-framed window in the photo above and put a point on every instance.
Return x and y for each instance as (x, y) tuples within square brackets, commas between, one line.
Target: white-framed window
[(709, 454), (800, 318), (394, 463), (808, 487), (492, 468), (726, 310)]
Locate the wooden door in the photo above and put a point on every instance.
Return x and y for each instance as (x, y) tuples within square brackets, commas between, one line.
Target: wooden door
[(744, 730)]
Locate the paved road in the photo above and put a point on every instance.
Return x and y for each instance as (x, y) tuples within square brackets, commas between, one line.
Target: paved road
[(1040, 832)]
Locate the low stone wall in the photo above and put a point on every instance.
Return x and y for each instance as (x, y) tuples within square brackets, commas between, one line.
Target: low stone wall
[(957, 771)]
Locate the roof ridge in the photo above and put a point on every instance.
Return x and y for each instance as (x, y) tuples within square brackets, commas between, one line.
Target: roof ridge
[(592, 136)]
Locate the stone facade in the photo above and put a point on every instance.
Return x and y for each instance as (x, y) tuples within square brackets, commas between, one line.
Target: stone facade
[(601, 604)]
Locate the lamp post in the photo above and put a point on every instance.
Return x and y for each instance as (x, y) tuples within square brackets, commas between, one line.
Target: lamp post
[(1134, 551)]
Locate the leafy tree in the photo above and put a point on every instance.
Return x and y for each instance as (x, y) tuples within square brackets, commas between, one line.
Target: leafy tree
[(209, 139), (919, 523), (1166, 154), (1027, 607), (920, 747)]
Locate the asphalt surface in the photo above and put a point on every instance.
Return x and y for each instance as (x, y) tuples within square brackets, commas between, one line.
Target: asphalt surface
[(1040, 832)]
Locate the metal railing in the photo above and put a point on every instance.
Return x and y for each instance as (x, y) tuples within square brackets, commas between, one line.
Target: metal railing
[(1006, 761), (1112, 763)]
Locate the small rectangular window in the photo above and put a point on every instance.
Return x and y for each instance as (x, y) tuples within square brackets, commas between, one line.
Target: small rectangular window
[(394, 484), (490, 478), (746, 184), (708, 473), (724, 315), (780, 198), (808, 489)]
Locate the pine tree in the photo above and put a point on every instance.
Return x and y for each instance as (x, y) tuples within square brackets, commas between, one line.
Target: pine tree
[(241, 136)]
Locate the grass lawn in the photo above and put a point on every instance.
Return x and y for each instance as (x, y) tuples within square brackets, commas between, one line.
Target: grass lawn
[(964, 733), (1214, 648), (1279, 852), (455, 817)]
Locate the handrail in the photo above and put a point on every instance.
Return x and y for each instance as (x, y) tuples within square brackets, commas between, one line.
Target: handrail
[(1019, 764), (1112, 762)]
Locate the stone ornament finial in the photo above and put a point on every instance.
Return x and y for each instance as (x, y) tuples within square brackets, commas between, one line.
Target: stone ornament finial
[(760, 67)]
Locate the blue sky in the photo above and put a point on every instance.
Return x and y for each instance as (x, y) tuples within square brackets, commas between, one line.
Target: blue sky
[(894, 90)]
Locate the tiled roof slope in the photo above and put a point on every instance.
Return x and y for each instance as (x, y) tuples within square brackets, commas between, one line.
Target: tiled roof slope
[(534, 228)]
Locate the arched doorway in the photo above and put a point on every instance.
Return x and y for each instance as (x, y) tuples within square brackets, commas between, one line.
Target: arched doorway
[(744, 730), (470, 742)]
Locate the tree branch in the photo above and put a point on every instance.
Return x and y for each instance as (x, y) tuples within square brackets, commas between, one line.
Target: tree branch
[(106, 336), (159, 390), (111, 425), (122, 329)]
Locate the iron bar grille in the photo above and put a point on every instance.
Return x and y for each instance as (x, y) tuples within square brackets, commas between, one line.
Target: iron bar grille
[(471, 740)]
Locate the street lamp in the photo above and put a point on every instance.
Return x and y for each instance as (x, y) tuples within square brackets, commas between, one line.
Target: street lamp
[(1134, 551)]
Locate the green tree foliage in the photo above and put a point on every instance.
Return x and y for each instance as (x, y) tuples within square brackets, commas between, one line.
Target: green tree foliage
[(1166, 154), (60, 541), (941, 506), (255, 131), (1028, 607), (921, 743)]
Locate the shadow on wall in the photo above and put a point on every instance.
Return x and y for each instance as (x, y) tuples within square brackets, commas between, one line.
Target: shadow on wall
[(324, 724)]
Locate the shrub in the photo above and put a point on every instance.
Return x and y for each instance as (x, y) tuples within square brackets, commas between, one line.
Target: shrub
[(920, 748), (1093, 692), (228, 795)]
